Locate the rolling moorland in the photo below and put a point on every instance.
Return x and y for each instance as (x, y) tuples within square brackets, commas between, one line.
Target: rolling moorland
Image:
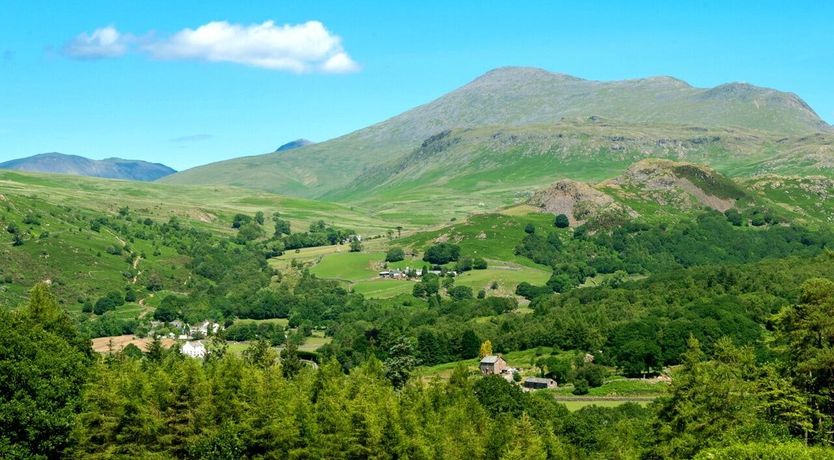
[(110, 168), (663, 253)]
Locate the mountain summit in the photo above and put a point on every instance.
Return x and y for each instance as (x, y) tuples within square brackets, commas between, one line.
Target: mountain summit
[(298, 143), (110, 168), (512, 103)]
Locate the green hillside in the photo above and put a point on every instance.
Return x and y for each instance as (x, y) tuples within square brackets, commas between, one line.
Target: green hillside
[(91, 236), (536, 123), (477, 169), (211, 207)]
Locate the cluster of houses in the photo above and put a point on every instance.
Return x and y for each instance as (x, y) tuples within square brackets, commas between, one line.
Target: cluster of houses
[(495, 365), (398, 274), (185, 331)]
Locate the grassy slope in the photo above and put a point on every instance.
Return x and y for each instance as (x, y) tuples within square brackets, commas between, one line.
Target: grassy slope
[(75, 259), (508, 99), (209, 206)]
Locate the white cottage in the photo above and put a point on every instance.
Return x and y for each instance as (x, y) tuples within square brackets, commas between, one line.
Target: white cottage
[(194, 349)]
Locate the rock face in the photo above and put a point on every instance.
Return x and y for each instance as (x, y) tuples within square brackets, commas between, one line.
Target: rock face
[(670, 184), (682, 185), (577, 200)]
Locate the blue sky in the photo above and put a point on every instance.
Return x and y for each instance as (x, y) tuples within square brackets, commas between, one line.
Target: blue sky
[(153, 85)]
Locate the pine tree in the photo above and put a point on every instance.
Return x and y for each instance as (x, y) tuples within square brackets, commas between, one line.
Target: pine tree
[(291, 364)]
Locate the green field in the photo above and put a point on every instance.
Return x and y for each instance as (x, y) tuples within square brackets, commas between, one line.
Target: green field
[(383, 289), (491, 236), (279, 321), (518, 359), (349, 266), (507, 277), (360, 270), (575, 405), (620, 387), (311, 344)]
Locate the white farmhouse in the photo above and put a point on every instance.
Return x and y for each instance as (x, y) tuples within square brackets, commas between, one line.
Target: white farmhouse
[(194, 349)]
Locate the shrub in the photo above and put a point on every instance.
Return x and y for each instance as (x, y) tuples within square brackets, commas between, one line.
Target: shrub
[(442, 253), (580, 387), (562, 221), (395, 255), (479, 263), (734, 217), (104, 305), (460, 292)]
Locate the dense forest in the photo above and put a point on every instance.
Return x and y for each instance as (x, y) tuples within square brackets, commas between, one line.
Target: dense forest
[(732, 310), (726, 401)]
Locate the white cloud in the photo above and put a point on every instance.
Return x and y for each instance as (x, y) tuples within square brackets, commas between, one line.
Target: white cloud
[(339, 63), (297, 48), (106, 42)]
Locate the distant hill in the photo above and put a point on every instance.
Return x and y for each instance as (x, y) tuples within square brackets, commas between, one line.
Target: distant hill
[(294, 145), (516, 128), (110, 168)]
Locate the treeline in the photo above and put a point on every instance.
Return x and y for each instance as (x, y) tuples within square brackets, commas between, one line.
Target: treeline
[(637, 327), (58, 400), (635, 247), (251, 228)]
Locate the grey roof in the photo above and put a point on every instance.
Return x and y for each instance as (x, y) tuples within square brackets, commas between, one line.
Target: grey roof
[(491, 359), (538, 380)]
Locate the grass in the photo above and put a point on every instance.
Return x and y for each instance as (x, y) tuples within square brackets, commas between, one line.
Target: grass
[(620, 387), (518, 359), (312, 343), (283, 322), (349, 266), (209, 206), (383, 289), (305, 256), (61, 248), (507, 277), (574, 406), (492, 236)]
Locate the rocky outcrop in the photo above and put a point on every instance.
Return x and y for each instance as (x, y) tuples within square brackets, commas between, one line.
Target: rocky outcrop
[(682, 185), (577, 200)]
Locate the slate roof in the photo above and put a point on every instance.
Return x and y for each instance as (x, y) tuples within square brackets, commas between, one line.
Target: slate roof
[(543, 381)]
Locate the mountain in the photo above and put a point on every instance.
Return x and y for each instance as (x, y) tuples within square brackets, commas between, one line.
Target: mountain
[(294, 145), (516, 128), (110, 168)]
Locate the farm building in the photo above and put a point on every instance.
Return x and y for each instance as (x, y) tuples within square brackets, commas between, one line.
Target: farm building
[(194, 349), (203, 329), (393, 274), (536, 383), (492, 365)]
